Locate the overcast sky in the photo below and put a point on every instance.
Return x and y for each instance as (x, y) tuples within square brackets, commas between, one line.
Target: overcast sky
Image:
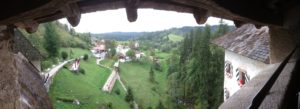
[(148, 20)]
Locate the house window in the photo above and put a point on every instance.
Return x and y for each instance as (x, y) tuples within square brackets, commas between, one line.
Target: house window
[(228, 69), (242, 77), (226, 93)]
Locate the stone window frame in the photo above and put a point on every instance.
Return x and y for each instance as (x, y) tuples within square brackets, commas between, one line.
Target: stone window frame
[(229, 73), (241, 71)]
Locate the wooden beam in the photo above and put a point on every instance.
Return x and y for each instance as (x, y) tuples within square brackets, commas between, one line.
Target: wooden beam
[(46, 9), (32, 29), (73, 13), (74, 20), (30, 25), (238, 23), (131, 10), (131, 14), (201, 15)]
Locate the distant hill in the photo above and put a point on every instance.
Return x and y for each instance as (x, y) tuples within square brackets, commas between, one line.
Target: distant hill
[(175, 38), (124, 36), (120, 36)]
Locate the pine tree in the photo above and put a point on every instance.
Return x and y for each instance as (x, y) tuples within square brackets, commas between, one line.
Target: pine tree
[(222, 29), (198, 79), (51, 40)]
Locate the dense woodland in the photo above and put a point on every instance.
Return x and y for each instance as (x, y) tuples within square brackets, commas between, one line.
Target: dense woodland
[(195, 70)]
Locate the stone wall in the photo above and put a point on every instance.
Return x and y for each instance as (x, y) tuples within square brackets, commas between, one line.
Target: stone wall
[(21, 87)]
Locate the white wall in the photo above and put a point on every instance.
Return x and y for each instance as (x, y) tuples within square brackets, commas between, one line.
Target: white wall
[(251, 66)]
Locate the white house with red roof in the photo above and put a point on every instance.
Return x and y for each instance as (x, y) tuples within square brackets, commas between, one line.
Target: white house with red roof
[(246, 54), (99, 49)]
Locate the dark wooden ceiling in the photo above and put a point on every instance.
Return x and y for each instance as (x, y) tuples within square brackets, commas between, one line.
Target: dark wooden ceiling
[(261, 12)]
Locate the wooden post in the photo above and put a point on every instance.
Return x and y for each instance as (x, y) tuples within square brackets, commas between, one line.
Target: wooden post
[(131, 10), (201, 15), (238, 23), (73, 13), (30, 26)]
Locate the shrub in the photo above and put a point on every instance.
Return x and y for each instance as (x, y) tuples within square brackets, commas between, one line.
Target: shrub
[(109, 105), (65, 67), (131, 105), (117, 91), (129, 95), (46, 64), (85, 57), (157, 66), (153, 89), (64, 55), (151, 75), (81, 70), (160, 105)]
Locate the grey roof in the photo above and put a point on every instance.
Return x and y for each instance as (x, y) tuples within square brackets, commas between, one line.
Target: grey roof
[(23, 45), (247, 41)]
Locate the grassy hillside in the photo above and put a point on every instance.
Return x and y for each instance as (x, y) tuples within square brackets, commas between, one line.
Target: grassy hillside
[(65, 38), (68, 86), (175, 38), (136, 76), (77, 52)]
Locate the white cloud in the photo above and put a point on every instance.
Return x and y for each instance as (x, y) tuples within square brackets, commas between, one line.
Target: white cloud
[(148, 20)]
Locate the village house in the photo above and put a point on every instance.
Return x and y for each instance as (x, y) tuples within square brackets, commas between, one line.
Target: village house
[(136, 45), (246, 54), (99, 49), (121, 52), (23, 46)]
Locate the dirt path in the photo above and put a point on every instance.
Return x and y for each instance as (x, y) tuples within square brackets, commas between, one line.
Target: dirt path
[(51, 73)]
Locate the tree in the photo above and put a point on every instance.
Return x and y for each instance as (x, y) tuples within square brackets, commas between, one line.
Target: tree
[(64, 55), (152, 52), (51, 40), (129, 96), (222, 29), (197, 79), (131, 54), (151, 75), (112, 52), (72, 31)]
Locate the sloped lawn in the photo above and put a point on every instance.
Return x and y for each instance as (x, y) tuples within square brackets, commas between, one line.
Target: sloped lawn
[(136, 76), (86, 88)]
